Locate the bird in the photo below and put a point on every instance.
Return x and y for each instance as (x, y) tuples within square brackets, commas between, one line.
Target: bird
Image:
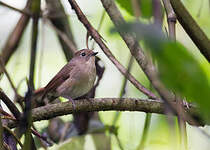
[(74, 80)]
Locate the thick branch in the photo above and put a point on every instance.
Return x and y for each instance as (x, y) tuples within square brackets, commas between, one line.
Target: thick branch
[(192, 28), (100, 104)]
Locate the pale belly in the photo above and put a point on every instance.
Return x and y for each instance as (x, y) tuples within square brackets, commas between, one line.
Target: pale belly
[(78, 87)]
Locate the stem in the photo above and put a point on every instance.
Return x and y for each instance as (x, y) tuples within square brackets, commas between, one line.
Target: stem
[(192, 28), (171, 18), (122, 91), (99, 26), (119, 142), (8, 77), (33, 51), (145, 131)]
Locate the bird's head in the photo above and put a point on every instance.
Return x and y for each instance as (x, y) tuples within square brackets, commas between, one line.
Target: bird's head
[(85, 56)]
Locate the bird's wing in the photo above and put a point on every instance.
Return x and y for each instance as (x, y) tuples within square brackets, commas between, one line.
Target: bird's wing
[(59, 78)]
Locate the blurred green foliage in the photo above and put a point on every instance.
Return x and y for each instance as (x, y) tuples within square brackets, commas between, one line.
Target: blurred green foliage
[(130, 123), (178, 69), (145, 7)]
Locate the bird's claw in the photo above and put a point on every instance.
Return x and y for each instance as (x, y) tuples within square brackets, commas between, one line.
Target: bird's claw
[(73, 103)]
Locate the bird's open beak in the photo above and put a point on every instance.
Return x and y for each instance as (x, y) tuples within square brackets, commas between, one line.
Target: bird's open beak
[(94, 53)]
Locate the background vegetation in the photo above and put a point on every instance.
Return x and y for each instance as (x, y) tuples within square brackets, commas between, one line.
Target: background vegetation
[(52, 32)]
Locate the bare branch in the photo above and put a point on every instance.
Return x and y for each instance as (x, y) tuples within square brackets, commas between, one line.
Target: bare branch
[(101, 104), (12, 107), (16, 9), (171, 18)]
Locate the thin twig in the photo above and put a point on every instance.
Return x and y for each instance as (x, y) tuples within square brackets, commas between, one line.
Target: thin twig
[(14, 135), (157, 12), (145, 132), (99, 26), (200, 9), (33, 51), (10, 105), (40, 136), (24, 11), (136, 8), (8, 118), (4, 112), (6, 146), (97, 38), (119, 142), (8, 77), (171, 18), (192, 28)]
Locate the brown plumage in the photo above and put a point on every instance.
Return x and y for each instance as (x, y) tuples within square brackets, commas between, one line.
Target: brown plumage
[(75, 79)]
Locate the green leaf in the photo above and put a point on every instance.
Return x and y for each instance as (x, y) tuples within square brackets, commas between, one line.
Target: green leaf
[(145, 7)]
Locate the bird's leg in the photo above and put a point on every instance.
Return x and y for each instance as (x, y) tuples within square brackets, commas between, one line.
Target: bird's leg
[(73, 103)]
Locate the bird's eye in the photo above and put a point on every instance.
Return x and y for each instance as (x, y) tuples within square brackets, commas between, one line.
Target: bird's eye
[(83, 54)]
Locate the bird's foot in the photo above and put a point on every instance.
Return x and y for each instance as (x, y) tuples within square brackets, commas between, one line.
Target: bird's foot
[(73, 103)]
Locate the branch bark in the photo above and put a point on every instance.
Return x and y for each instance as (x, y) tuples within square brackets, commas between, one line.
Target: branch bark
[(100, 104)]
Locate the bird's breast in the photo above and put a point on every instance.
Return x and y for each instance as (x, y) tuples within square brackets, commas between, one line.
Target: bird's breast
[(79, 83)]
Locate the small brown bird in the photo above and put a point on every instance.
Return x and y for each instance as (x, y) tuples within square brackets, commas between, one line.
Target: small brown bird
[(75, 79)]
